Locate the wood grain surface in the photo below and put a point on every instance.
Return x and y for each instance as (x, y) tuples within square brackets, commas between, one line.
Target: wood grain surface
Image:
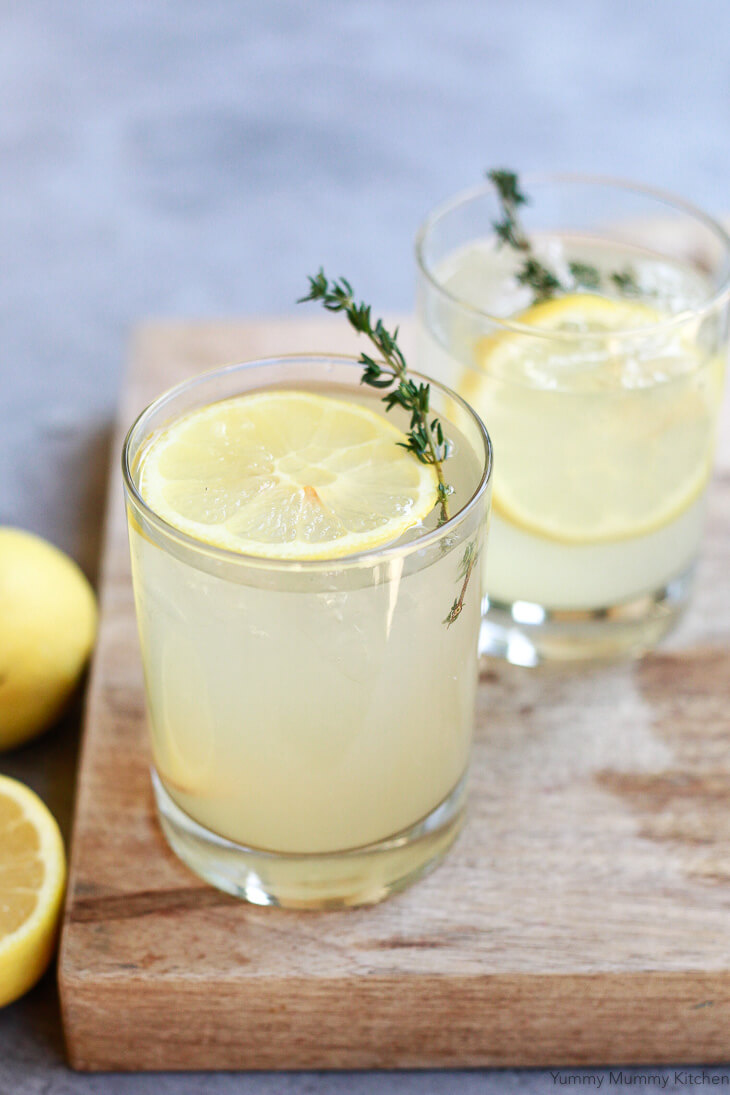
[(581, 918)]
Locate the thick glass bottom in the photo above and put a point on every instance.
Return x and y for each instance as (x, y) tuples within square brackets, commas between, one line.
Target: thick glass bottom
[(357, 876), (528, 634)]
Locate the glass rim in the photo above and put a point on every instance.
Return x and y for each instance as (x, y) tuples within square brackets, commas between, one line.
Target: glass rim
[(540, 179), (368, 558)]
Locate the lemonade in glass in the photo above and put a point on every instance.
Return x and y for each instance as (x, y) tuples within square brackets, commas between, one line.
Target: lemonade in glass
[(600, 392), (310, 683)]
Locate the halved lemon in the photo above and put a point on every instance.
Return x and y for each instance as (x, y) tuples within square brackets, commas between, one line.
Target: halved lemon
[(32, 880), (597, 437), (287, 475)]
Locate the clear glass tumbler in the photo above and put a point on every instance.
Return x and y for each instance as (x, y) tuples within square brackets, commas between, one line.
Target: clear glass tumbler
[(601, 404), (310, 720)]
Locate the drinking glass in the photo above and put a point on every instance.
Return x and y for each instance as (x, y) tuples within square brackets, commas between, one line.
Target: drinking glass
[(602, 407), (310, 720)]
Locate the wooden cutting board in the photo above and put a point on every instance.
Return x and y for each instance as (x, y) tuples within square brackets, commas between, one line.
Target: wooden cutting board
[(583, 916)]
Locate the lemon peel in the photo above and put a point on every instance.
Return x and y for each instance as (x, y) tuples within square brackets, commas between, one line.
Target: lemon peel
[(287, 475), (590, 446), (32, 881)]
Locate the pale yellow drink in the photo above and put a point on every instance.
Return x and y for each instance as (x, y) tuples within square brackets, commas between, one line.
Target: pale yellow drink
[(318, 703), (604, 442), (602, 405)]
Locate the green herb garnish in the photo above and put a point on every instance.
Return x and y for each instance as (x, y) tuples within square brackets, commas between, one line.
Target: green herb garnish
[(425, 438), (585, 275), (533, 273), (539, 278), (510, 233), (626, 283), (467, 565)]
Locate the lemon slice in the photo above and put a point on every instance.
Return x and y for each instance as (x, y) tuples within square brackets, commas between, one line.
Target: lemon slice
[(589, 313), (32, 879), (597, 438), (587, 321), (287, 475)]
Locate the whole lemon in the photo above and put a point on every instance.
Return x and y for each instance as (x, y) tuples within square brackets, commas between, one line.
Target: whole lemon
[(47, 629)]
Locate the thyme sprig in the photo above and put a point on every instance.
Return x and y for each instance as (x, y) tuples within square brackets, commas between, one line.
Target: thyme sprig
[(425, 439), (468, 562), (536, 274), (533, 273)]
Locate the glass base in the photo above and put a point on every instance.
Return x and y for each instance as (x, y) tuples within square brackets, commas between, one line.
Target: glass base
[(527, 634), (358, 876)]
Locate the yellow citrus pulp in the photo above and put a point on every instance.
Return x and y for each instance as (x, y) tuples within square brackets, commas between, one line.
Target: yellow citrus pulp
[(32, 880), (599, 436), (287, 475)]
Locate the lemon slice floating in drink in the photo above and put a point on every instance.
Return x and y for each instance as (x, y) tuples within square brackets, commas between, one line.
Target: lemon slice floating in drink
[(32, 879), (599, 437), (287, 475)]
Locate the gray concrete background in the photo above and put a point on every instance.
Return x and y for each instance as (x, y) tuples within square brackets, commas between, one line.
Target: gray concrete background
[(197, 159)]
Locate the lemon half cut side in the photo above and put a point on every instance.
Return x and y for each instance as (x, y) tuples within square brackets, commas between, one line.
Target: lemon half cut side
[(590, 446), (287, 475), (32, 881)]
